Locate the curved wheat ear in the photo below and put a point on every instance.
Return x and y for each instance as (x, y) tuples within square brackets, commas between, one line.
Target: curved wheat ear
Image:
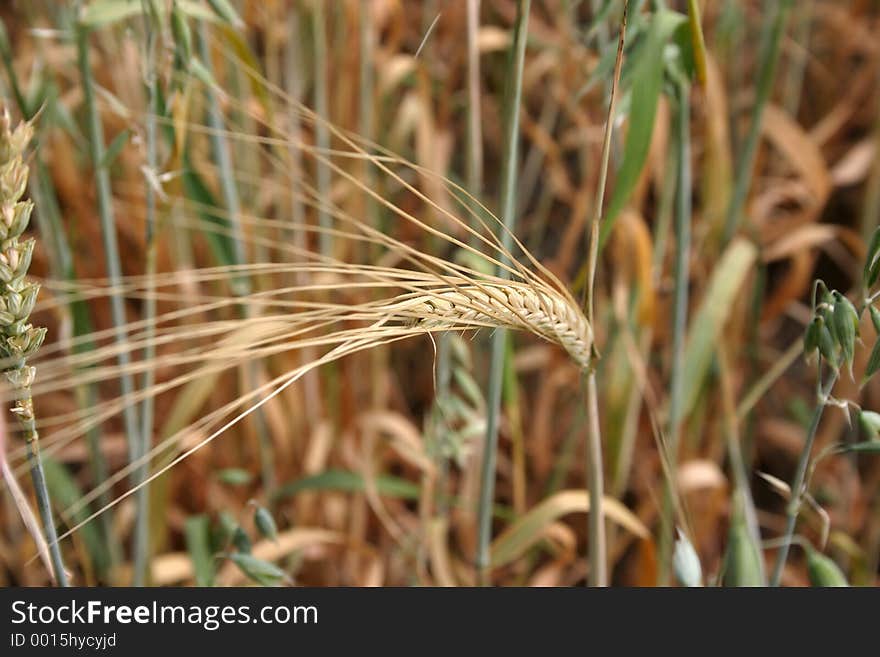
[(510, 305)]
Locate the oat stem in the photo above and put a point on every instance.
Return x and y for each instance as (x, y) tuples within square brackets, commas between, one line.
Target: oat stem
[(797, 484)]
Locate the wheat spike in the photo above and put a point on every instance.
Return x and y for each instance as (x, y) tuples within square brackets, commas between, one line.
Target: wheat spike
[(543, 312)]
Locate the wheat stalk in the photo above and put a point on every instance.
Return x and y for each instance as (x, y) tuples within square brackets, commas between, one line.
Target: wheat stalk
[(20, 340)]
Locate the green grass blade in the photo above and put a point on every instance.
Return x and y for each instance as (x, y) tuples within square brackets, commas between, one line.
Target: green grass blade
[(647, 83), (726, 281)]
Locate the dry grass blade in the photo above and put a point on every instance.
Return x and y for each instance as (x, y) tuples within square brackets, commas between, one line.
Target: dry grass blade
[(529, 529)]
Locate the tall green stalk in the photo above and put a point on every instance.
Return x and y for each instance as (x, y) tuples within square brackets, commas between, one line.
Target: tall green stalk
[(768, 58), (43, 193), (151, 80), (498, 349), (114, 273), (679, 318), (241, 285)]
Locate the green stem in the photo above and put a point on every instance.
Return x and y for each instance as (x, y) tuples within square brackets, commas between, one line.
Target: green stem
[(598, 575), (498, 350), (114, 266), (241, 285), (797, 484), (679, 320), (142, 520), (771, 44), (24, 411), (45, 508), (53, 234)]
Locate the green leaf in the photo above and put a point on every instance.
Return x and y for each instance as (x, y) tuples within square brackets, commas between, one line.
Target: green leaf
[(196, 10), (344, 480), (40, 92), (65, 493), (867, 447), (210, 212), (262, 572), (182, 34), (201, 73), (872, 261), (873, 362), (647, 82), (681, 64), (875, 319), (115, 148), (197, 531), (600, 16), (718, 301), (226, 12), (635, 28), (99, 13)]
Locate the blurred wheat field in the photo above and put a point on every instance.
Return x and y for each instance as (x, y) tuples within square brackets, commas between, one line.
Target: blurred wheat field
[(302, 262)]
